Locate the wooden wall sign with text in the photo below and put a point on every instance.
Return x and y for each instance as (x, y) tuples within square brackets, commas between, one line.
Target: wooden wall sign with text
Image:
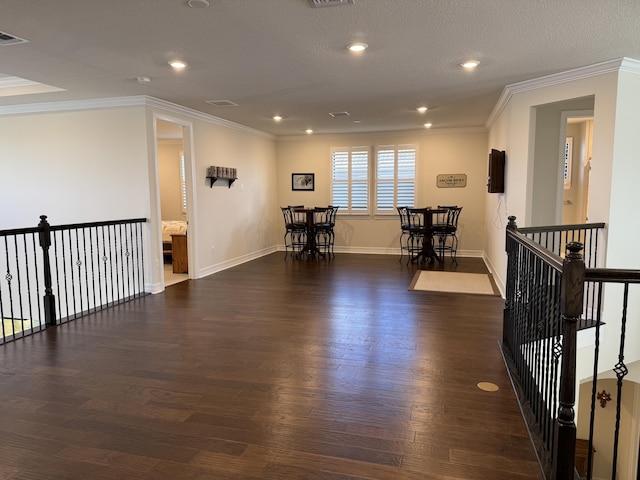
[(453, 180)]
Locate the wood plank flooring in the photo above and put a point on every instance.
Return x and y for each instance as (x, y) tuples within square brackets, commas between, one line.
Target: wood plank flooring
[(275, 369)]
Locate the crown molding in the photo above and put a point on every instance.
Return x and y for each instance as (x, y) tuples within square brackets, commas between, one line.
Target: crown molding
[(71, 105), (132, 101), (620, 64), (381, 133)]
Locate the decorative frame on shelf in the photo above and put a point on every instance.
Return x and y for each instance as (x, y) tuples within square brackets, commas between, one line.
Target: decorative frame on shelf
[(303, 181), (215, 173)]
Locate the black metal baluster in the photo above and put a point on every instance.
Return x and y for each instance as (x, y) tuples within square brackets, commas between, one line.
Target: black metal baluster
[(85, 265), (65, 275), (8, 279), (594, 383), (111, 262), (101, 263), (93, 268), (621, 371), (56, 264), (128, 259), (29, 293)]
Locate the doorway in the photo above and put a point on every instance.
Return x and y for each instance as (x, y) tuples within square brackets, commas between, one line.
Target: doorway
[(174, 207), (577, 138)]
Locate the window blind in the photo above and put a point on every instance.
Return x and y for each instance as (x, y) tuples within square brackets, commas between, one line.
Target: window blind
[(350, 179), (395, 177)]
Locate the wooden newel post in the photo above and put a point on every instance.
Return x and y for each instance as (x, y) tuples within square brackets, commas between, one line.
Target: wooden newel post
[(571, 295), (49, 298)]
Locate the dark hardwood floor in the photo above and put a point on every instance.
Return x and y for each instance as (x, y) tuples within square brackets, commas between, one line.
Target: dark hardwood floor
[(271, 370)]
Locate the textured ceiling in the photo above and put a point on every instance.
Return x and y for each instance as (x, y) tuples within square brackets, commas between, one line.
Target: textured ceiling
[(284, 57)]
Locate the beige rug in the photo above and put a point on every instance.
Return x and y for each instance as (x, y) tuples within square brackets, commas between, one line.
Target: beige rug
[(453, 282)]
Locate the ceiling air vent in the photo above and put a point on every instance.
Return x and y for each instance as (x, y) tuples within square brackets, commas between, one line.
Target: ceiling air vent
[(339, 114), (222, 103), (329, 3), (6, 39)]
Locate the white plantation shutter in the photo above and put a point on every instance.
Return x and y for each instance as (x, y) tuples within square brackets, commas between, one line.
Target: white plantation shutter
[(183, 184), (395, 177), (350, 179), (406, 182)]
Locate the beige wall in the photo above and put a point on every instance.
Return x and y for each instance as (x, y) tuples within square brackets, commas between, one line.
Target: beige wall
[(604, 427), (438, 153), (227, 226), (169, 174), (573, 210)]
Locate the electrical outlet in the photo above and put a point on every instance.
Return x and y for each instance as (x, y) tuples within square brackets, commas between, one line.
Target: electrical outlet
[(213, 250)]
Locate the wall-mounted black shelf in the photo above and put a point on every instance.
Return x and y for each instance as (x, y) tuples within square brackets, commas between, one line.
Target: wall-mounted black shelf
[(213, 180)]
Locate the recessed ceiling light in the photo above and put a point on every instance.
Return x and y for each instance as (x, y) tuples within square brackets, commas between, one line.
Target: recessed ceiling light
[(422, 109), (309, 131), (358, 47), (428, 125), (471, 64), (177, 64), (277, 118), (143, 79), (198, 3)]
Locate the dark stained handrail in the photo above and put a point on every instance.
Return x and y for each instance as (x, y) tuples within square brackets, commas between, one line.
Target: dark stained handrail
[(612, 275), (561, 228)]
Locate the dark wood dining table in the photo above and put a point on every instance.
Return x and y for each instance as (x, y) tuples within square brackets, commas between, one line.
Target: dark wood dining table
[(310, 248), (424, 227)]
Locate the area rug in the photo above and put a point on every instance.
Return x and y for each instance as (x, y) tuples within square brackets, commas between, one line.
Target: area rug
[(453, 282)]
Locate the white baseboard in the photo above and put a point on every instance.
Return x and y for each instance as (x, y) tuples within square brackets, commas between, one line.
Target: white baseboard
[(218, 267), (496, 278)]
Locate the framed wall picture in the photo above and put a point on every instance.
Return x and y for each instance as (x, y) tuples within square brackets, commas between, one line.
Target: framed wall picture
[(303, 181)]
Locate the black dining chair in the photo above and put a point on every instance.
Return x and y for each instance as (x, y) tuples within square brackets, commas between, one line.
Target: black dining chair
[(324, 223), (418, 233), (405, 230), (445, 230), (295, 233)]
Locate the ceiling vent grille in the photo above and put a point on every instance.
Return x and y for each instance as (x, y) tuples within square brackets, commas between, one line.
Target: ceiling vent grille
[(7, 39), (222, 103), (329, 3), (339, 114)]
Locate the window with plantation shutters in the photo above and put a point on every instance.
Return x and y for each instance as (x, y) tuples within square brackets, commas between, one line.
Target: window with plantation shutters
[(350, 179), (395, 177)]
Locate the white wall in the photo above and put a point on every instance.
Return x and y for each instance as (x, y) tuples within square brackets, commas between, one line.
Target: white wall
[(79, 166), (453, 151)]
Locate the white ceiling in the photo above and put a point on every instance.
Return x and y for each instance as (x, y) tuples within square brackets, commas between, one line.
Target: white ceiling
[(284, 57)]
